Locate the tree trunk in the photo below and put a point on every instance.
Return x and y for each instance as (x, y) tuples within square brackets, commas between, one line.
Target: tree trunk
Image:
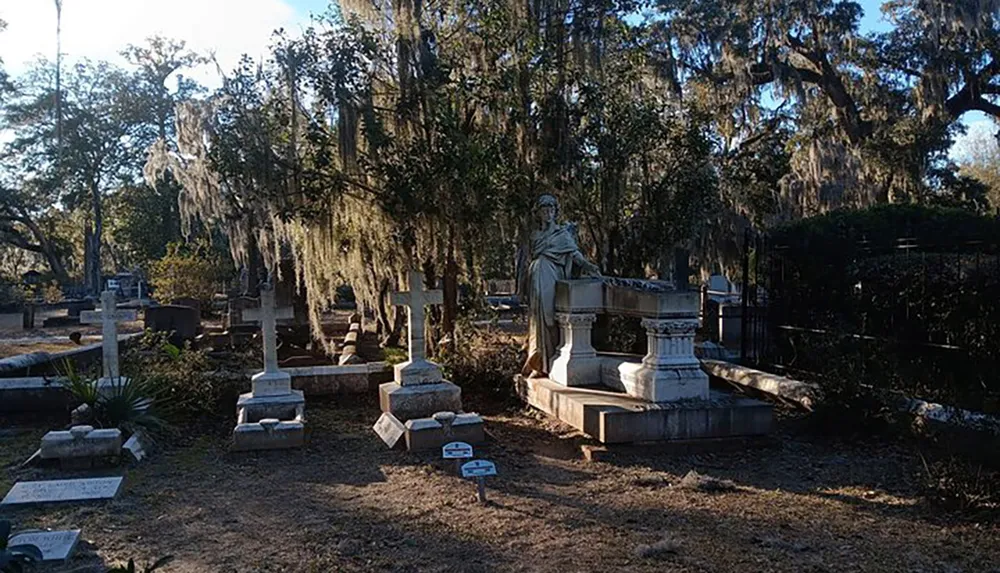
[(450, 292), (49, 251), (94, 270), (432, 333), (88, 256)]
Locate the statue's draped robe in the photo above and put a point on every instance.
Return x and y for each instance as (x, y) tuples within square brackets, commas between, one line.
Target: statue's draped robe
[(552, 253)]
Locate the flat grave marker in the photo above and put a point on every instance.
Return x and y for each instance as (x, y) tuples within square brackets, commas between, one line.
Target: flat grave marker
[(479, 469), (62, 490), (54, 545), (390, 429)]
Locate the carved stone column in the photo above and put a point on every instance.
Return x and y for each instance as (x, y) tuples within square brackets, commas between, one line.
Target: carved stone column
[(576, 362), (670, 371)]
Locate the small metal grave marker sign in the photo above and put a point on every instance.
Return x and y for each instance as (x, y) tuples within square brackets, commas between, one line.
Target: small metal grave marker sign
[(457, 451), (479, 469)]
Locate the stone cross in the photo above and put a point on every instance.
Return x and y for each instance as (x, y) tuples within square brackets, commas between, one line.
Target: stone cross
[(108, 317), (415, 300), (268, 315)]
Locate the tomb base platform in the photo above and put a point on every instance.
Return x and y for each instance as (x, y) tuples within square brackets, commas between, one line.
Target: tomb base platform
[(419, 400), (250, 408), (423, 434), (617, 418), (269, 434), (428, 434), (269, 422)]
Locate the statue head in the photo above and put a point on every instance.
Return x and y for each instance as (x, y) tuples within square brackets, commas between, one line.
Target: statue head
[(546, 209)]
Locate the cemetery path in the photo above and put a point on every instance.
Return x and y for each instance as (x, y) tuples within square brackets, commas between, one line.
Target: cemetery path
[(344, 503), (14, 339)]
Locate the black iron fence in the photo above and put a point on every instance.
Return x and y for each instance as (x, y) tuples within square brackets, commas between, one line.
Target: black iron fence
[(919, 317)]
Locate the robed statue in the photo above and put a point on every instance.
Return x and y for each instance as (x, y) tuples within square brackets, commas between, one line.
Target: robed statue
[(554, 256)]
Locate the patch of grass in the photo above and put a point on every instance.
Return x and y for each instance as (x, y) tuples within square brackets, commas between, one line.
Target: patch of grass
[(659, 550), (192, 457), (15, 449), (963, 485), (695, 481), (393, 355)]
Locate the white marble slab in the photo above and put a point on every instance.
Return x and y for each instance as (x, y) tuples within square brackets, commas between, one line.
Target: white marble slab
[(62, 490), (54, 545)]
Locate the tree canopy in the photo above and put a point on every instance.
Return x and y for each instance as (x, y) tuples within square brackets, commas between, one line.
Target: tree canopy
[(405, 134)]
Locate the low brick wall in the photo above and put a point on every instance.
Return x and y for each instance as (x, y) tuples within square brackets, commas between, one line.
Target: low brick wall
[(48, 364), (331, 380), (43, 394)]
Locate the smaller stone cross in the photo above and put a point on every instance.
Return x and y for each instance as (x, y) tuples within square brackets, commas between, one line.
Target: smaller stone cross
[(268, 315), (108, 317), (417, 370)]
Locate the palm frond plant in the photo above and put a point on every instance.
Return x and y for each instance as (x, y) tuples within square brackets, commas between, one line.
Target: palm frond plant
[(132, 403), (126, 403), (83, 388)]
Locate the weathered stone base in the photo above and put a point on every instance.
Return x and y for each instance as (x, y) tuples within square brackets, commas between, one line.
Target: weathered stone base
[(271, 383), (429, 434), (571, 370), (612, 417), (250, 408), (82, 442), (611, 452), (419, 401), (269, 422), (657, 385), (109, 386), (269, 434)]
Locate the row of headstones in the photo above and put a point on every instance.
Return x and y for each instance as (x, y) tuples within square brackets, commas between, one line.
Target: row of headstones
[(271, 395), (83, 445), (79, 446), (349, 352), (419, 404), (57, 545)]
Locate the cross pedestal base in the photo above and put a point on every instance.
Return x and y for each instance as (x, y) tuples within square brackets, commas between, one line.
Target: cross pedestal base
[(419, 401), (106, 384), (271, 383), (420, 371)]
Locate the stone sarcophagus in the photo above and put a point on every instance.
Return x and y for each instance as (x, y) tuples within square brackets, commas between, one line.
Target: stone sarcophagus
[(668, 372)]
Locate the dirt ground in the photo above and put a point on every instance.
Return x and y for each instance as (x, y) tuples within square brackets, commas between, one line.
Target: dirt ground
[(345, 503)]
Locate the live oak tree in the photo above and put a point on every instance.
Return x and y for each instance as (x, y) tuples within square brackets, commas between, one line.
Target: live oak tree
[(101, 143), (873, 113), (78, 148), (378, 144)]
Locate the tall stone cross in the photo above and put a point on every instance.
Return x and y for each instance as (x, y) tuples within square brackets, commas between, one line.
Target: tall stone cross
[(417, 370), (108, 317), (268, 315)]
